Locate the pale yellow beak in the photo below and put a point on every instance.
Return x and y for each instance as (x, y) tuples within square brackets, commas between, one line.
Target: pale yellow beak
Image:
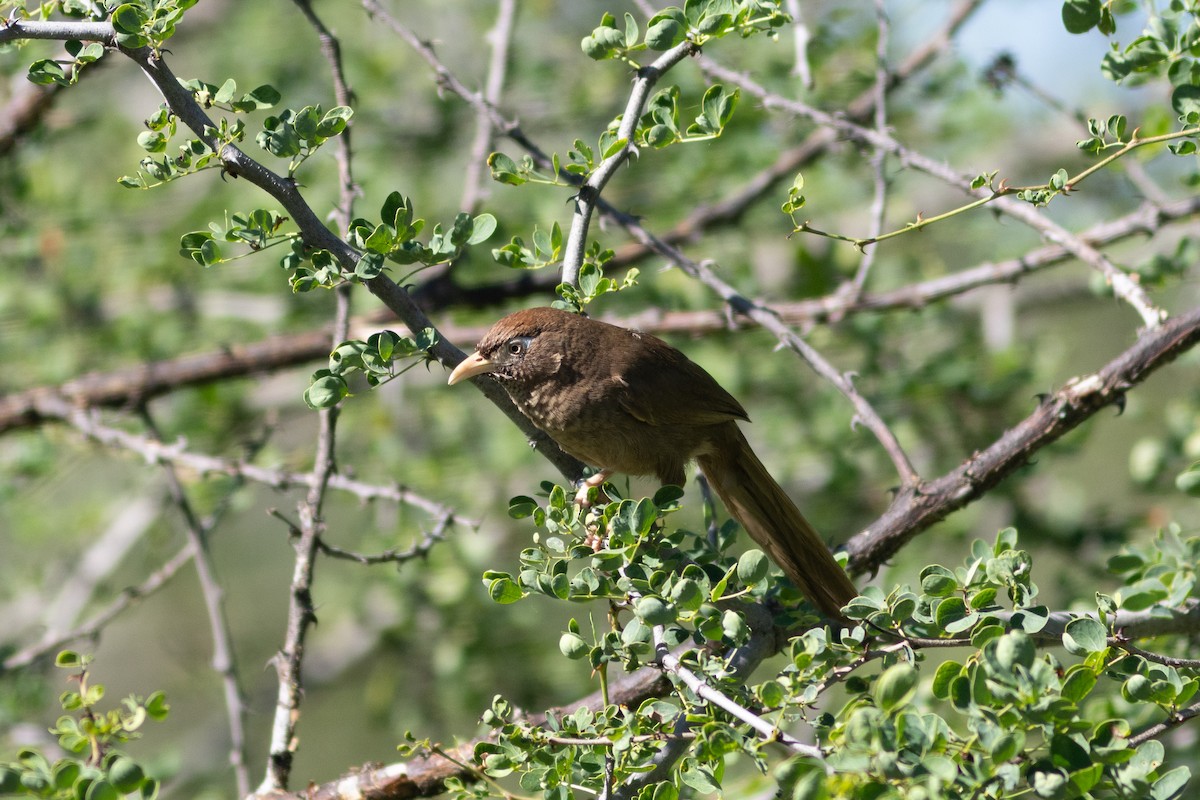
[(469, 367)]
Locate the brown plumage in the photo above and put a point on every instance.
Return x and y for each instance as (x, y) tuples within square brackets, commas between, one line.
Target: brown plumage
[(628, 402)]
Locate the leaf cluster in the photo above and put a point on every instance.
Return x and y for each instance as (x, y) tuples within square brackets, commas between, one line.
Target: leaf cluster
[(97, 770)]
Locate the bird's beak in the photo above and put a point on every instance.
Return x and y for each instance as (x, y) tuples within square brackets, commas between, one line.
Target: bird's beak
[(469, 367)]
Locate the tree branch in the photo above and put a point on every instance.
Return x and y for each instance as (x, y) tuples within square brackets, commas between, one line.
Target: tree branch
[(917, 508), (587, 200), (223, 661)]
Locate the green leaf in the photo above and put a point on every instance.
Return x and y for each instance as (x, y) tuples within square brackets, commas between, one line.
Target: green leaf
[(47, 71), (265, 96), (125, 774), (129, 19), (504, 590), (1187, 482), (1078, 682), (326, 391), (102, 790), (1171, 785), (369, 267), (896, 686), (1015, 649), (69, 659), (573, 646), (653, 610), (950, 611), (665, 30), (945, 674), (631, 31), (1084, 635), (504, 170), (752, 567), (482, 228), (937, 581), (225, 93), (1080, 16), (334, 121)]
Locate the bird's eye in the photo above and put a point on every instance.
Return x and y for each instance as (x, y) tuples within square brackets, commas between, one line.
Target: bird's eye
[(516, 347)]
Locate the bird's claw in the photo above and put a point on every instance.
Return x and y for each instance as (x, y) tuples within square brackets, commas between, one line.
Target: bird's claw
[(581, 495)]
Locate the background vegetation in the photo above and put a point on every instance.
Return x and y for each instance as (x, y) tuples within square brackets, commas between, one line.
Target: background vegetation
[(154, 389)]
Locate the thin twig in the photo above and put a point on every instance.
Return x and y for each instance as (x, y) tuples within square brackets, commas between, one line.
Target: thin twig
[(154, 451), (420, 549), (224, 662), (500, 38), (301, 611), (1176, 719), (801, 36), (702, 689), (100, 620), (332, 50), (879, 156), (1124, 286)]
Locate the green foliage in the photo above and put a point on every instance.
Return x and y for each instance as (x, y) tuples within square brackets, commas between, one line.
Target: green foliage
[(256, 230), (592, 281), (96, 770), (699, 21), (376, 358), (297, 135), (1013, 719)]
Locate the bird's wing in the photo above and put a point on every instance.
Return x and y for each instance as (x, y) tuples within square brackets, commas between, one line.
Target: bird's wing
[(663, 387)]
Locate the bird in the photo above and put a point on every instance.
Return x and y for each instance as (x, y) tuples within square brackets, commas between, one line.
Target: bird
[(624, 401)]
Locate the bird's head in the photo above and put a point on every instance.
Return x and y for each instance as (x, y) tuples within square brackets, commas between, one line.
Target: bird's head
[(523, 347)]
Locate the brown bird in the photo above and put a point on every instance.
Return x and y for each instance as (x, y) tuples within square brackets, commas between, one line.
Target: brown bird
[(628, 402)]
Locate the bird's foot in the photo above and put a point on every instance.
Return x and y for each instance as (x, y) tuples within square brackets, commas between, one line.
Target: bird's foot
[(597, 480), (594, 539)]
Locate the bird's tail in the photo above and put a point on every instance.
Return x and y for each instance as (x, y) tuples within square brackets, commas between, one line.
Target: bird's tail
[(771, 518)]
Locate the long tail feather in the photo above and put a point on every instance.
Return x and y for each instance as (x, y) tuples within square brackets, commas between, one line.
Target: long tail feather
[(771, 518)]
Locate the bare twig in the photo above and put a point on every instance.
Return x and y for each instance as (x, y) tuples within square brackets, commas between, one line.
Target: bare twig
[(801, 36), (500, 37), (1175, 720), (153, 452), (301, 611), (879, 156), (223, 661), (90, 629), (393, 556), (332, 50), (700, 688)]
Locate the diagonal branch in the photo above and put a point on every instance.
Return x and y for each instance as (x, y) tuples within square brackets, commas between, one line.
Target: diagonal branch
[(917, 508), (223, 661)]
